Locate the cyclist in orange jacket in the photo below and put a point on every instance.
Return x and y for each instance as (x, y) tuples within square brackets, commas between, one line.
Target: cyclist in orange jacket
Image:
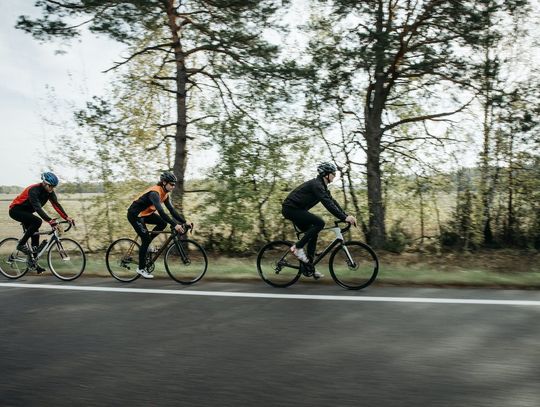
[(143, 210)]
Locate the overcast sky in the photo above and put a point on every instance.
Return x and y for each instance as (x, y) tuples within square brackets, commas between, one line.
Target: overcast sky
[(26, 68)]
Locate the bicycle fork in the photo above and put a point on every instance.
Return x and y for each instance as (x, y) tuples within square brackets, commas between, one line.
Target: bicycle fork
[(182, 253), (350, 261)]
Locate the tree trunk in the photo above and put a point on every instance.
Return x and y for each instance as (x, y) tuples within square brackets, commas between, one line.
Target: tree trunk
[(180, 154), (376, 96), (377, 230)]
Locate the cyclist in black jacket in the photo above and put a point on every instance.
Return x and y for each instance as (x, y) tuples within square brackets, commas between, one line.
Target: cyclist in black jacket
[(296, 208)]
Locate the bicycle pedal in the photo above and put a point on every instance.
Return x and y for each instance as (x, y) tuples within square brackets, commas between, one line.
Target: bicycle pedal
[(307, 270)]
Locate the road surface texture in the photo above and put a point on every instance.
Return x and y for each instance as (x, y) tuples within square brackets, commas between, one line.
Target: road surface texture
[(312, 345)]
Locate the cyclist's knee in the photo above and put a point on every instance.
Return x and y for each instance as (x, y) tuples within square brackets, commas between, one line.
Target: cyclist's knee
[(161, 226), (36, 224), (320, 224), (146, 238)]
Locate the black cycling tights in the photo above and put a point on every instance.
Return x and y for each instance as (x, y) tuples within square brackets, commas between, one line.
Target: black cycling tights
[(139, 224), (308, 223), (30, 222)]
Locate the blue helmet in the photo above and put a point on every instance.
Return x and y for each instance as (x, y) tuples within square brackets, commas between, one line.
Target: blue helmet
[(49, 178)]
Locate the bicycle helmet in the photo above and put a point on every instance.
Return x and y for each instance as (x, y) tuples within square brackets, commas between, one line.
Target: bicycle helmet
[(326, 168), (49, 178), (168, 176)]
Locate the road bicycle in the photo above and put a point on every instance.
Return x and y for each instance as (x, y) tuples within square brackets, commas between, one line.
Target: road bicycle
[(353, 265), (185, 260), (65, 257)]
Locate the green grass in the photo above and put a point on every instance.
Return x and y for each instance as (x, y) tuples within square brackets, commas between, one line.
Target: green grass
[(391, 273)]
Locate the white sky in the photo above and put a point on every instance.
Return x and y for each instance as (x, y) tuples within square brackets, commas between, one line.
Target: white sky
[(26, 68)]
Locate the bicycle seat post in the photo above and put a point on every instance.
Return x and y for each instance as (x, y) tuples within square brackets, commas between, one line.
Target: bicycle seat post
[(297, 231)]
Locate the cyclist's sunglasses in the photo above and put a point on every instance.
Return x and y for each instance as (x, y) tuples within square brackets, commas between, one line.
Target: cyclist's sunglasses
[(49, 185), (172, 183)]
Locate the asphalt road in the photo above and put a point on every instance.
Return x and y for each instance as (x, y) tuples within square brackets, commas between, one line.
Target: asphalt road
[(108, 348)]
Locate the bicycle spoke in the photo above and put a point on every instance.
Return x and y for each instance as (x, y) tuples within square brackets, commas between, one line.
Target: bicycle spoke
[(186, 261), (13, 264), (122, 259), (354, 265), (66, 259), (276, 265)]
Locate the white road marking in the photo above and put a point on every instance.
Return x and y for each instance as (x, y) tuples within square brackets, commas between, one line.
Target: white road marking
[(278, 296)]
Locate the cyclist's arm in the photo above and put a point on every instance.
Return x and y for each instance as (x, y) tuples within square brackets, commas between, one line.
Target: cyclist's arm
[(33, 197), (176, 215), (154, 198), (56, 205), (329, 203)]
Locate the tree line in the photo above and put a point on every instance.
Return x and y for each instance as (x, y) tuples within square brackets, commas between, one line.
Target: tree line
[(394, 92)]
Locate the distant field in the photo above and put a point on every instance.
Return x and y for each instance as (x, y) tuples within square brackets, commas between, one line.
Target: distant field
[(73, 204)]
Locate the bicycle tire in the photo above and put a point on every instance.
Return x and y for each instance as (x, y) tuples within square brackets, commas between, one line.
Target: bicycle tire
[(186, 267), (361, 273), (11, 259), (273, 259), (66, 259), (120, 264)]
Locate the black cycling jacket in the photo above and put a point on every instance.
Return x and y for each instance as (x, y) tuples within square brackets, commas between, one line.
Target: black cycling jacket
[(152, 198), (310, 193)]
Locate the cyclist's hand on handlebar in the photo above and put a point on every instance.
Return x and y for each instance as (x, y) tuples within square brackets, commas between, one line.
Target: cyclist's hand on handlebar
[(189, 226), (350, 219), (179, 228), (71, 221), (53, 223)]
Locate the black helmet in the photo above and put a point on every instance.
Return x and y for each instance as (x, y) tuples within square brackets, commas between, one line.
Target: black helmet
[(168, 176), (326, 168)]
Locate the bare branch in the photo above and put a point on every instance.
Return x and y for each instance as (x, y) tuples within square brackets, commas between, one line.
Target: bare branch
[(136, 54), (424, 118)]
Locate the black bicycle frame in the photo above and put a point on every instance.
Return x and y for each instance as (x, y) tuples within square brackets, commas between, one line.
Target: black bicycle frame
[(173, 236)]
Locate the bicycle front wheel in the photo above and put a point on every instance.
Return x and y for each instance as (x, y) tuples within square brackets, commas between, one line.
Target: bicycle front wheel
[(186, 261), (66, 259), (276, 264), (13, 263), (122, 260), (354, 265)]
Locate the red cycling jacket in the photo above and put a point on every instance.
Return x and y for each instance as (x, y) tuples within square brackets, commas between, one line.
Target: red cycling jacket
[(34, 197)]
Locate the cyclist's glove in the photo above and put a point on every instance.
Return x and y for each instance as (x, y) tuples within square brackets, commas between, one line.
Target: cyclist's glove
[(53, 223)]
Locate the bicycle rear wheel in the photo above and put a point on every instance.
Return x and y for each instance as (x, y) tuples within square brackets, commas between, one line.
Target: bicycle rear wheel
[(66, 259), (122, 259), (186, 261), (354, 265), (13, 263), (276, 265)]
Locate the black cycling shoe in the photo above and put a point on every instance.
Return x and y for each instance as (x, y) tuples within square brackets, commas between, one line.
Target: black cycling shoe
[(23, 249), (39, 269), (307, 269)]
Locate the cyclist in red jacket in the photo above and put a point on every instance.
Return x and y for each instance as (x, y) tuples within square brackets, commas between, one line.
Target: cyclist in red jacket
[(31, 200)]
